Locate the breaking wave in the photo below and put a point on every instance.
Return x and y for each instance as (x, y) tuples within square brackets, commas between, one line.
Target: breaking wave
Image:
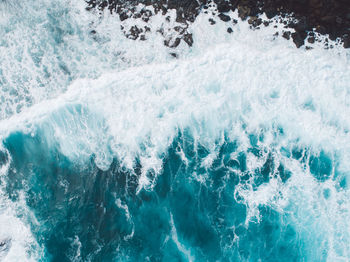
[(112, 149)]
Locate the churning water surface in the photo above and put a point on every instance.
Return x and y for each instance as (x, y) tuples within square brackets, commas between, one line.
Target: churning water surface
[(114, 150)]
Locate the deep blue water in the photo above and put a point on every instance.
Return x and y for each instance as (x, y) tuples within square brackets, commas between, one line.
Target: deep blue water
[(101, 216)]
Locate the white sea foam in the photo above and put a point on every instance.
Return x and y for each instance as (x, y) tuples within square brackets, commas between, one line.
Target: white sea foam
[(306, 93), (247, 82), (16, 238)]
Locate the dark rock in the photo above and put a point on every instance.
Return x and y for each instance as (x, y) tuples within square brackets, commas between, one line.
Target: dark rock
[(301, 25), (330, 17), (211, 21), (134, 32), (186, 10), (298, 39), (146, 14), (254, 21), (251, 20), (137, 15), (286, 35), (123, 16), (223, 6), (346, 41), (311, 39), (332, 35), (339, 20), (224, 17), (188, 39), (321, 29), (243, 11), (172, 43), (271, 12), (179, 29), (229, 30)]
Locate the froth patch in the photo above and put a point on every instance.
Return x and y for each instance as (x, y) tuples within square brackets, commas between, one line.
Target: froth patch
[(139, 110)]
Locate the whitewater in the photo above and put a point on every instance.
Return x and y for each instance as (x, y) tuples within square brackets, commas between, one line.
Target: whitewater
[(114, 150)]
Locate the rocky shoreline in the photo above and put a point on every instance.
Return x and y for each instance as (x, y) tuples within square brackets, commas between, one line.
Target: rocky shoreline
[(306, 17)]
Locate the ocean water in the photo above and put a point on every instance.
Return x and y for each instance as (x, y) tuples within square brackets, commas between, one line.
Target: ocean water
[(114, 150)]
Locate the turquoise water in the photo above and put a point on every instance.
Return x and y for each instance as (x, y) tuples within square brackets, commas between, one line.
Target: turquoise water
[(113, 150), (192, 212), (102, 211)]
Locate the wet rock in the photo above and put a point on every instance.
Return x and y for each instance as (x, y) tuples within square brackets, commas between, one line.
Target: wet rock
[(346, 41), (223, 6), (302, 25), (188, 39), (330, 17), (224, 17), (211, 21), (251, 20), (134, 32), (145, 15), (254, 21), (186, 10), (179, 29), (298, 39), (123, 16), (311, 39), (172, 43), (321, 29), (243, 12), (270, 12), (286, 35)]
